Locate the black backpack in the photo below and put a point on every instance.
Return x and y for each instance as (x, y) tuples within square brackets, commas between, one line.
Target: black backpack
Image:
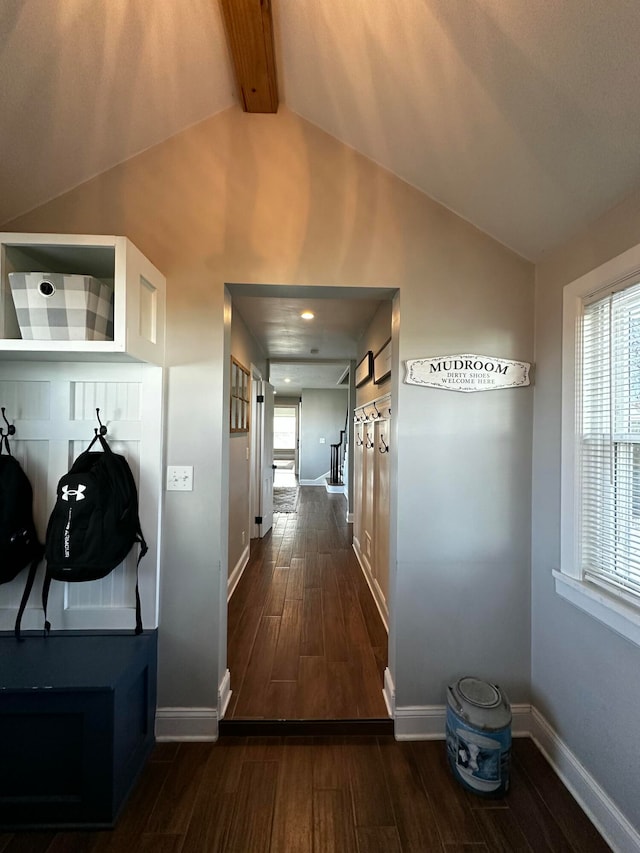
[(94, 523), (19, 544)]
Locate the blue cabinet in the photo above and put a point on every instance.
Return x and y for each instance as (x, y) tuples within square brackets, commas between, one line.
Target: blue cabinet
[(77, 714)]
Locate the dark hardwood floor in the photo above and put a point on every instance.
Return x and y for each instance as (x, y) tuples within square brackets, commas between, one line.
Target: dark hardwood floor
[(302, 618), (305, 640), (328, 795)]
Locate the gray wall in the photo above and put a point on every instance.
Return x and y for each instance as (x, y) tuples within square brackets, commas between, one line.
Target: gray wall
[(227, 210), (461, 596), (322, 415), (584, 676), (374, 338)]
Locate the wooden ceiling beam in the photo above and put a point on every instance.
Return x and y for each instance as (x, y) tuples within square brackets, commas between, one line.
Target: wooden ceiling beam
[(249, 30)]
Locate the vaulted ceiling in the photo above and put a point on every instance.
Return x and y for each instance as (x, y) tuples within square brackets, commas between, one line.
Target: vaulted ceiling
[(523, 118)]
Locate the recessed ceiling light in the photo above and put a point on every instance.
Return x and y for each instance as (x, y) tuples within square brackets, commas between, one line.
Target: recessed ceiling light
[(287, 380), (307, 315)]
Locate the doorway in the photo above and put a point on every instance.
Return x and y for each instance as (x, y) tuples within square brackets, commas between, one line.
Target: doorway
[(305, 639), (286, 444)]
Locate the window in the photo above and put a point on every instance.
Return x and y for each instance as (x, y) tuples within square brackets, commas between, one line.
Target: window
[(285, 428), (600, 556), (239, 394)]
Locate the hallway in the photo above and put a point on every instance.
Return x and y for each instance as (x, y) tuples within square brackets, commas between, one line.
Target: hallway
[(305, 640)]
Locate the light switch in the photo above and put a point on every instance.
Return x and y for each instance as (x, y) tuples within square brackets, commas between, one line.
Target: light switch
[(179, 478)]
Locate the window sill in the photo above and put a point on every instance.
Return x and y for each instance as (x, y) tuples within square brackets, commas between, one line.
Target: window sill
[(622, 618)]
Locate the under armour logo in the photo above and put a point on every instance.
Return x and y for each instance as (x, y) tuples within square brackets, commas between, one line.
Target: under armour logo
[(73, 493)]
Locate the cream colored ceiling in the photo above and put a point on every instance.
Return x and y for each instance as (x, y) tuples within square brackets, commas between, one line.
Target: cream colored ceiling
[(522, 117), (307, 353), (292, 378), (86, 84), (334, 331)]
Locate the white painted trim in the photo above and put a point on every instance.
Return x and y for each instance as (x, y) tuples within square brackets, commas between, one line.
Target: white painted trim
[(420, 722), (609, 609), (254, 451), (428, 722), (617, 831), (319, 481), (183, 724), (389, 692), (376, 592), (237, 571), (612, 611), (334, 489), (224, 694), (350, 518)]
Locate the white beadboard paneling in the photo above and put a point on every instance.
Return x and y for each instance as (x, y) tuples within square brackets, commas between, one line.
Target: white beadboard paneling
[(116, 590), (117, 401), (25, 400), (55, 422)]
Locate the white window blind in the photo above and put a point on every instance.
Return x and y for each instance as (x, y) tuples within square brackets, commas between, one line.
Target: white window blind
[(609, 456)]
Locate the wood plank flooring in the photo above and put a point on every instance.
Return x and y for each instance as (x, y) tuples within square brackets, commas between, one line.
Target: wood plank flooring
[(328, 795), (302, 619), (305, 640)]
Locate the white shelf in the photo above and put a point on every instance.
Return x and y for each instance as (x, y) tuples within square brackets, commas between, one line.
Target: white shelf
[(139, 296)]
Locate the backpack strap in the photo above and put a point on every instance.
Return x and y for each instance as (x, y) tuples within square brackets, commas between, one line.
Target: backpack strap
[(103, 441), (33, 569), (143, 550), (47, 583), (4, 442), (45, 601), (4, 436)]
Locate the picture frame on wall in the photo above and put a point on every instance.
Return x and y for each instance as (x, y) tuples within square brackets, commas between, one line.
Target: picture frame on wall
[(239, 393), (382, 363), (364, 369)]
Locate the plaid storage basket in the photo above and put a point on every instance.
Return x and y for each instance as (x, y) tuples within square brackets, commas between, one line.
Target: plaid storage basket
[(57, 307)]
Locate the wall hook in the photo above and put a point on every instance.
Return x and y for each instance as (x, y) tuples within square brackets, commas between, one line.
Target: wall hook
[(375, 414), (359, 441), (11, 430), (369, 442), (385, 447), (103, 429)]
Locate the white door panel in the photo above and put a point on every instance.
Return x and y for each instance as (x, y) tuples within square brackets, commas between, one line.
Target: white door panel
[(266, 465)]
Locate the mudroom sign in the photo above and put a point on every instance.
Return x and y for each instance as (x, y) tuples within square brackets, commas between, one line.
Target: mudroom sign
[(467, 372)]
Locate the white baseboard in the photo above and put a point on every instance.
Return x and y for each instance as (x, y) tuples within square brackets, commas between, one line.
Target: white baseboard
[(350, 518), (199, 724), (428, 722), (389, 692), (334, 490), (595, 802), (236, 574), (224, 694), (319, 481)]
